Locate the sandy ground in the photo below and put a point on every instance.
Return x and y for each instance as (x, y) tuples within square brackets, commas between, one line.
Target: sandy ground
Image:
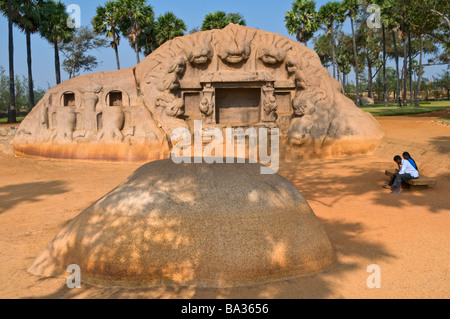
[(407, 235)]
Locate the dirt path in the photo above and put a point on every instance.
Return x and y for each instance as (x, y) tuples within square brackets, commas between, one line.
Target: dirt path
[(406, 235)]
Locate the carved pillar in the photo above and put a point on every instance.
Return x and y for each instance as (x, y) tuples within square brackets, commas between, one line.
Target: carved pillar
[(269, 103), (89, 114), (207, 104)]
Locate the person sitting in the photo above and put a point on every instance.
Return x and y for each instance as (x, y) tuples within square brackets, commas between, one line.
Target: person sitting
[(408, 157), (391, 183), (406, 172)]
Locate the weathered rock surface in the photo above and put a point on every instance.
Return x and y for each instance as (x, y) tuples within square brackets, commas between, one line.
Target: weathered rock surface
[(237, 76), (217, 225)]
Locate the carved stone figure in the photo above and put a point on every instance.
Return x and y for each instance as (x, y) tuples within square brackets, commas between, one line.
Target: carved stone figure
[(310, 119), (90, 102), (113, 120), (233, 44), (197, 47), (65, 124), (275, 49), (269, 103), (207, 103), (235, 76)]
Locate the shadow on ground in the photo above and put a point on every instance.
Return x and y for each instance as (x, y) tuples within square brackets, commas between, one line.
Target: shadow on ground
[(347, 242), (350, 181), (13, 195)]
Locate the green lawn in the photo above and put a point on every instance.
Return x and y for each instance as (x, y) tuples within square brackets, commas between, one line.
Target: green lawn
[(393, 109), (4, 120)]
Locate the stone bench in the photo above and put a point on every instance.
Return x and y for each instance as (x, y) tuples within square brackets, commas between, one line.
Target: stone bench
[(421, 181)]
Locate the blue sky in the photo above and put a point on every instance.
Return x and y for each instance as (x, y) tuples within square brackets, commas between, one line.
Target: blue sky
[(262, 14)]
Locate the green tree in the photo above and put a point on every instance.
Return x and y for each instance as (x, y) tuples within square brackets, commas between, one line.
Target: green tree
[(302, 21), (26, 16), (330, 15), (442, 82), (168, 26), (135, 16), (351, 9), (107, 21), (220, 19), (21, 93), (12, 101), (368, 40), (421, 23), (322, 46), (147, 42), (76, 51), (55, 30), (236, 18)]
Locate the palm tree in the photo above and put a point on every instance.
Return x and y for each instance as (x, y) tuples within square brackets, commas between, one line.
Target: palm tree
[(107, 21), (302, 20), (12, 93), (54, 29), (220, 19), (351, 8), (236, 18), (331, 14), (168, 26), (135, 15), (26, 16), (422, 23)]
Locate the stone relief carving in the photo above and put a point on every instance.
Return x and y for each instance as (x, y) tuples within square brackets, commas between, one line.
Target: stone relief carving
[(197, 48), (233, 44), (207, 103), (113, 120), (65, 124), (310, 119), (269, 103), (289, 76), (274, 50)]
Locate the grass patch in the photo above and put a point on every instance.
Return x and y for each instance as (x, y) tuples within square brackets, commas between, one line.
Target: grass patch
[(5, 120), (393, 109), (445, 119)]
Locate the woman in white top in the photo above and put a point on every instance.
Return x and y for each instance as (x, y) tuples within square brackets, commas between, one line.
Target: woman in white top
[(407, 172)]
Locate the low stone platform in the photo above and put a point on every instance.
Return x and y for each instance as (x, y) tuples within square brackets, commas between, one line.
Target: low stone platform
[(421, 181)]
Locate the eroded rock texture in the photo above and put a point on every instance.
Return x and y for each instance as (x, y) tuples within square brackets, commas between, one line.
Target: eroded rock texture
[(236, 76)]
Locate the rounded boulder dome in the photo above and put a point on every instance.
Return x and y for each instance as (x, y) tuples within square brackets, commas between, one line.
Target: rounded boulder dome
[(205, 225)]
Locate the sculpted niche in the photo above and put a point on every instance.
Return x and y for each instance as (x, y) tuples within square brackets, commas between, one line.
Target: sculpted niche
[(237, 76)]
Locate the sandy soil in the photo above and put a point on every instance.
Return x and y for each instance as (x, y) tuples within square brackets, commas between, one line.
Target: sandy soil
[(407, 235)]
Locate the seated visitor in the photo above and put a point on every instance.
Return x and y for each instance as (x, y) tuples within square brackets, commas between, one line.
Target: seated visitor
[(407, 172), (408, 157)]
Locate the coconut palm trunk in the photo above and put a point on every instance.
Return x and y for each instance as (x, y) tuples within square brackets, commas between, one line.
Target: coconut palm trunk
[(30, 71), (12, 93), (355, 53), (136, 48), (116, 50), (333, 49), (419, 77), (405, 71), (397, 74), (411, 94), (57, 63), (384, 67)]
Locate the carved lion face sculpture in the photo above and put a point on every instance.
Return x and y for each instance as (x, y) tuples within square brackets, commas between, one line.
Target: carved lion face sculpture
[(233, 44), (273, 52), (201, 51), (174, 72), (307, 102)]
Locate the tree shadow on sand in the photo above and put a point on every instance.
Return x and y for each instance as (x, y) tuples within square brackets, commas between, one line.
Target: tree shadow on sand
[(441, 143), (347, 180), (345, 238), (13, 195), (353, 251)]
